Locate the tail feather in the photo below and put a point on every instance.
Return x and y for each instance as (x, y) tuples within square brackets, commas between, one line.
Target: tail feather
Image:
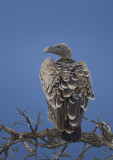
[(73, 137)]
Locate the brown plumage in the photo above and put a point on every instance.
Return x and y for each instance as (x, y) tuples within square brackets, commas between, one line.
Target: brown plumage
[(67, 86)]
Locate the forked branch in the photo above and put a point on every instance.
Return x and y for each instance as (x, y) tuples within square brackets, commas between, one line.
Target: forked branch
[(51, 138)]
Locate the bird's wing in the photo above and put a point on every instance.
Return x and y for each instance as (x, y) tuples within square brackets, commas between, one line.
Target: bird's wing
[(83, 73), (67, 86)]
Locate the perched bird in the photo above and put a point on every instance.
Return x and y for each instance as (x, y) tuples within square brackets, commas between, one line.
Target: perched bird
[(68, 87)]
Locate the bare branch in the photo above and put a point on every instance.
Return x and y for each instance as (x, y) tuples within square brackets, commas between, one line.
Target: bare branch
[(46, 156), (81, 156), (8, 130), (26, 117), (28, 147), (88, 119), (11, 153), (51, 138), (63, 149)]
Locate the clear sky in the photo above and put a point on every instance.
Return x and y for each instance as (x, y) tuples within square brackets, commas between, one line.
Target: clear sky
[(26, 28)]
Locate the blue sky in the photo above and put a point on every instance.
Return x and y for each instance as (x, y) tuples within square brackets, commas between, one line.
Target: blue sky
[(27, 27)]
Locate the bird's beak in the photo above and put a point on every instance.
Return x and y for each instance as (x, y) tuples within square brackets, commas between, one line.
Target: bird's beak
[(48, 50)]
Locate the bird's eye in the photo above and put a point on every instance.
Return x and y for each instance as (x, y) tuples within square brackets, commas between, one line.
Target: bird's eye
[(58, 46)]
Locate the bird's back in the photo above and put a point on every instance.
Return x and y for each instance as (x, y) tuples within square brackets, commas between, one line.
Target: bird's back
[(67, 86)]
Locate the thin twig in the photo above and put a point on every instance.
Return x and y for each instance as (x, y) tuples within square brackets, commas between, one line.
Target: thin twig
[(6, 154), (11, 153), (27, 154), (63, 149), (108, 126), (27, 118), (88, 119), (81, 156), (46, 156), (27, 146)]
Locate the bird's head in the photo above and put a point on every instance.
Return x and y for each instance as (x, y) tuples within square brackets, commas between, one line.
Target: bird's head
[(60, 49)]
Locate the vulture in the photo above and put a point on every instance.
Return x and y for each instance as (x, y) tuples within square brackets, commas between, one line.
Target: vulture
[(67, 86)]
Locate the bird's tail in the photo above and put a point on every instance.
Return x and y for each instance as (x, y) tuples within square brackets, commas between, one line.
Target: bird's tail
[(73, 137)]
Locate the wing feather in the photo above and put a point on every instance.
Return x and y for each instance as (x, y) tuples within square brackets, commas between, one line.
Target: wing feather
[(67, 86)]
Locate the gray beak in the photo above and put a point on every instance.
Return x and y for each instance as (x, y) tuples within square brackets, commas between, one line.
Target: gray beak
[(48, 50)]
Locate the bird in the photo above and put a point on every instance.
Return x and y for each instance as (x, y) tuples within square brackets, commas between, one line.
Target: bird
[(67, 86)]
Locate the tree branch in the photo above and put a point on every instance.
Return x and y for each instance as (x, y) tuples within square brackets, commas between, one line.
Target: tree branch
[(81, 156), (51, 138)]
